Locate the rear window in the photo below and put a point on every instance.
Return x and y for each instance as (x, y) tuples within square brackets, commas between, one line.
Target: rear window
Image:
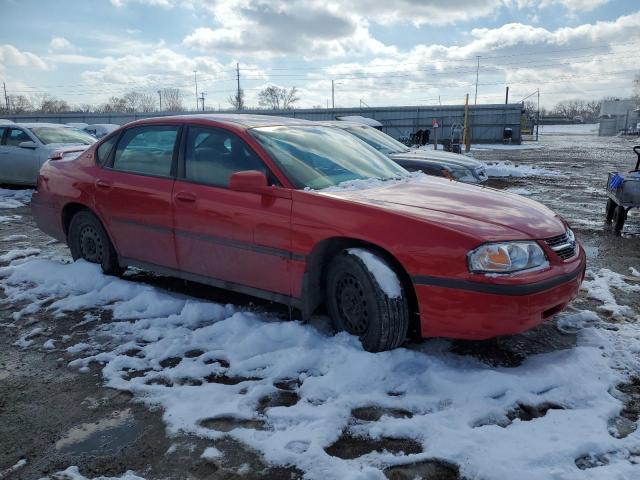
[(147, 150), (49, 135)]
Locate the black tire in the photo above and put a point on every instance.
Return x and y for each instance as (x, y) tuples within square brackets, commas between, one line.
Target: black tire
[(609, 210), (619, 217), (88, 240), (358, 305)]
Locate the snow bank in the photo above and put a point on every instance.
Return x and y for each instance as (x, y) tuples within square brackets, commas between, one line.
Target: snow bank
[(14, 198), (509, 169), (73, 473), (502, 146), (224, 362)]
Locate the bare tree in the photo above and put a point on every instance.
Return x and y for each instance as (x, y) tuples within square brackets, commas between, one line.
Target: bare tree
[(278, 97), (19, 104), (54, 105), (85, 108), (113, 105), (237, 100), (140, 102), (172, 99)]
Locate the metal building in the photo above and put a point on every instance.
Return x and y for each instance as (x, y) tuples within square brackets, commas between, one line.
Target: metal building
[(487, 122), (619, 116)]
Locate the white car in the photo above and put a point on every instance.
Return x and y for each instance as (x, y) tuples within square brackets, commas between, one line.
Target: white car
[(24, 147)]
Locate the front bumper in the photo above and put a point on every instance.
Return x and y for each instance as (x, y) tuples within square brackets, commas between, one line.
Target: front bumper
[(477, 311)]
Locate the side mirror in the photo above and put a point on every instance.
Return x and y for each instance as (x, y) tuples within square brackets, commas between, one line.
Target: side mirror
[(251, 181), (29, 144)]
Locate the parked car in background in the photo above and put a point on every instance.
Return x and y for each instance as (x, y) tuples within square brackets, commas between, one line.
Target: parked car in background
[(99, 130), (24, 147), (259, 205), (77, 125), (431, 162)]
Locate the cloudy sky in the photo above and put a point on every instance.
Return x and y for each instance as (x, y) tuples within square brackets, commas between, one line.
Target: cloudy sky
[(380, 52)]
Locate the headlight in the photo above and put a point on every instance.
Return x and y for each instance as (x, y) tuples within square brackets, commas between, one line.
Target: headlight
[(506, 257)]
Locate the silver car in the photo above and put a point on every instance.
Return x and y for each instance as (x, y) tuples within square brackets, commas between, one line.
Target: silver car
[(431, 162), (24, 147)]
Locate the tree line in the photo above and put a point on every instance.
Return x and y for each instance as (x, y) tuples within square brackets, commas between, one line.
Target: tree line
[(166, 100)]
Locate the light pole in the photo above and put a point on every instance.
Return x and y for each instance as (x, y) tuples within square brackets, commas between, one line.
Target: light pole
[(195, 78), (160, 95), (475, 102)]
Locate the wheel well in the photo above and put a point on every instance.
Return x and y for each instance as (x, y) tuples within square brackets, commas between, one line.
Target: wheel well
[(316, 270), (69, 210)]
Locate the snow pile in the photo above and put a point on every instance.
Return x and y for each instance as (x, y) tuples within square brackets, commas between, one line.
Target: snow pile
[(520, 191), (208, 365), (578, 129), (73, 473), (601, 286), (384, 275), (506, 146), (509, 169), (14, 198)]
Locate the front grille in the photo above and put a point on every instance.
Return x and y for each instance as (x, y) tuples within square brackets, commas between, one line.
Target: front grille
[(562, 246)]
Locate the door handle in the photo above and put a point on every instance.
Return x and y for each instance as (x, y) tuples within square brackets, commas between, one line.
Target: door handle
[(185, 197), (103, 184)]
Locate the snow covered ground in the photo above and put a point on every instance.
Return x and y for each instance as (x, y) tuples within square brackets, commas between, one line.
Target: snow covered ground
[(510, 169), (14, 198), (293, 391)]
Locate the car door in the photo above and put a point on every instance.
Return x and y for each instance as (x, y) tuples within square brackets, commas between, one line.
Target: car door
[(133, 193), (238, 237), (18, 165)]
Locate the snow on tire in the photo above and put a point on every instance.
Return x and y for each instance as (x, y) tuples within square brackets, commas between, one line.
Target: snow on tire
[(365, 297)]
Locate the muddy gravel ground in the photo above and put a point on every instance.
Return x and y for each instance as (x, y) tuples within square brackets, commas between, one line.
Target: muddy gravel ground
[(53, 417)]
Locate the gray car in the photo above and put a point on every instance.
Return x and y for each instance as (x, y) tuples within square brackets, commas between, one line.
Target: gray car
[(431, 162), (24, 147)]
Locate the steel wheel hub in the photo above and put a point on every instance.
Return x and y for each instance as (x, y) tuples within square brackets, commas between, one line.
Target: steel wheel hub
[(352, 305), (91, 246)]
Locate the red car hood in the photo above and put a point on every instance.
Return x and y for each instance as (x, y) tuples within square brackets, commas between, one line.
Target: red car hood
[(449, 202)]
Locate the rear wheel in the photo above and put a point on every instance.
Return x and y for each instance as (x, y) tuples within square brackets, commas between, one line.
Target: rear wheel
[(358, 305), (608, 213), (619, 217), (88, 240)]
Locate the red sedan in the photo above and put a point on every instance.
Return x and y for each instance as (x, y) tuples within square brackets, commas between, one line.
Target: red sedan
[(310, 216)]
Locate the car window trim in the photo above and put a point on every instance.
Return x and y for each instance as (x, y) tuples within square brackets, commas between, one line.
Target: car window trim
[(4, 134), (182, 160), (174, 159), (100, 142)]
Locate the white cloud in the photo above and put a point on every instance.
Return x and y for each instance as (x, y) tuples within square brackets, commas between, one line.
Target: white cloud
[(60, 43), (10, 55)]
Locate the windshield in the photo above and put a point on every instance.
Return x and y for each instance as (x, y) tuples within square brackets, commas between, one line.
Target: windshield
[(62, 135), (320, 157), (378, 140)]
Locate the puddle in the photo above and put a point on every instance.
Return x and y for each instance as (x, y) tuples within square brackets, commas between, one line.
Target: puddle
[(282, 398), (349, 447), (226, 424), (427, 470), (373, 414), (102, 438)]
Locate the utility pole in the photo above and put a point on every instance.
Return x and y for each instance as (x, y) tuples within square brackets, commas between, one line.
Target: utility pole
[(202, 94), (238, 98), (333, 96), (466, 138), (538, 116), (6, 99), (475, 102), (195, 77), (160, 95), (506, 97)]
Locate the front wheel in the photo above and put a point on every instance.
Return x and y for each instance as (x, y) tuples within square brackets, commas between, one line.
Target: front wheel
[(358, 304), (619, 217), (88, 240), (609, 210)]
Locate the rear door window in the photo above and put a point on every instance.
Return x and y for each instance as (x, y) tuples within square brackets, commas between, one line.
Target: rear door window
[(212, 155), (16, 136), (147, 150)]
